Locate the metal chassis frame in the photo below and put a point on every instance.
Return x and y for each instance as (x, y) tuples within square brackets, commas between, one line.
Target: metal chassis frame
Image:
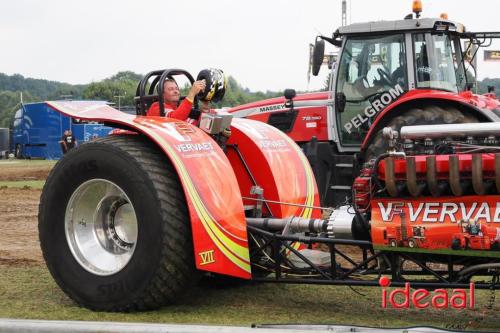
[(332, 275)]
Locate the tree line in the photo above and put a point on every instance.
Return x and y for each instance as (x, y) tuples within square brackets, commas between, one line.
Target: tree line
[(123, 84)]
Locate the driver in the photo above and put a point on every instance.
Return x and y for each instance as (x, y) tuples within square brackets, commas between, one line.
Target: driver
[(171, 96), (398, 76)]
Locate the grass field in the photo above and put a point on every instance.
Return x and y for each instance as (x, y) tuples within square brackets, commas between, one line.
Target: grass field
[(30, 292), (22, 183)]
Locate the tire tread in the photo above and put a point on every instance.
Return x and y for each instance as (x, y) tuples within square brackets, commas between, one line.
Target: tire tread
[(176, 271)]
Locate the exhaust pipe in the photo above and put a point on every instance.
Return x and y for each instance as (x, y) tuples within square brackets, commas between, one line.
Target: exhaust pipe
[(450, 130), (477, 174), (414, 187), (497, 171), (390, 178), (455, 185), (431, 174)]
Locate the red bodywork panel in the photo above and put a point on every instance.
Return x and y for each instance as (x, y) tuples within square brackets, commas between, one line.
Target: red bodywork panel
[(311, 119), (211, 185), (466, 97), (272, 157)]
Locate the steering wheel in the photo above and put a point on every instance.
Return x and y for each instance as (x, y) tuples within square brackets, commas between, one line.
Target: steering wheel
[(384, 77)]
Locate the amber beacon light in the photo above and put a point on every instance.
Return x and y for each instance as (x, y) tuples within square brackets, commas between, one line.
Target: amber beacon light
[(417, 7)]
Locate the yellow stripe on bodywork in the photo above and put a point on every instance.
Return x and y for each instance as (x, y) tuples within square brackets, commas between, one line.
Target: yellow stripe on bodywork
[(231, 249), (236, 253)]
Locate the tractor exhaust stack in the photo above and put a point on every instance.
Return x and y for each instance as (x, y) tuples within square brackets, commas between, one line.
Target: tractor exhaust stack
[(450, 130)]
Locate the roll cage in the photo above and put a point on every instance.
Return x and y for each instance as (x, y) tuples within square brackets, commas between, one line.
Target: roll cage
[(150, 89)]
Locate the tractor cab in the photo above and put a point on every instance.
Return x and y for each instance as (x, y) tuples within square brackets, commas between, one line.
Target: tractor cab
[(392, 73), (387, 74), (381, 61)]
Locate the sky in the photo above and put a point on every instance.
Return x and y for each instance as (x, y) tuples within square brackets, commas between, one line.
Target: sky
[(261, 43)]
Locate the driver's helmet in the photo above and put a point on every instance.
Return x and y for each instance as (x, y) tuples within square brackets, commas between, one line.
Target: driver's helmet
[(216, 85)]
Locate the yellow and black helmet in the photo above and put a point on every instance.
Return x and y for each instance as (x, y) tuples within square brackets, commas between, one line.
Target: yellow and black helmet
[(216, 85)]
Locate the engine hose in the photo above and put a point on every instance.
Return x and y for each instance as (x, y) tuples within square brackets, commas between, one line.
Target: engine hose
[(360, 227), (478, 267), (375, 168)]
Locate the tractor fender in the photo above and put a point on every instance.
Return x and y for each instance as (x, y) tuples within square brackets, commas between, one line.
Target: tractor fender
[(207, 177), (264, 156), (473, 104)]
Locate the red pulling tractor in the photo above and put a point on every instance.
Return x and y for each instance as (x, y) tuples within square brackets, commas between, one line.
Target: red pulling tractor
[(128, 222)]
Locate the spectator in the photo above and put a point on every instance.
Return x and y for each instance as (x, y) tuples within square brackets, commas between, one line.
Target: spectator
[(68, 141), (62, 142)]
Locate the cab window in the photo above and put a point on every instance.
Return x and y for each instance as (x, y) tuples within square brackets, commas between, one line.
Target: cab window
[(436, 64), (369, 68)]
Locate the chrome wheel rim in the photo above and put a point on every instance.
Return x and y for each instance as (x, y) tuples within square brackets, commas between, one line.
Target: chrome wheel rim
[(101, 227)]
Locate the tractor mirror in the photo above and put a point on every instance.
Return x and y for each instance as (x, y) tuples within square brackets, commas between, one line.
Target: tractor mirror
[(289, 96), (318, 54), (289, 93)]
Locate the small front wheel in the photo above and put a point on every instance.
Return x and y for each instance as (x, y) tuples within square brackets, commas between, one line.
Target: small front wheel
[(412, 244)]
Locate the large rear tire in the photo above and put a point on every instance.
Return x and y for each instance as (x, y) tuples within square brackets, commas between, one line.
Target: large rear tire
[(114, 226), (427, 115)]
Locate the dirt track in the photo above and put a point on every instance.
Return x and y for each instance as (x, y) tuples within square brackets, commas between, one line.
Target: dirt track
[(18, 224), (19, 244), (24, 170)]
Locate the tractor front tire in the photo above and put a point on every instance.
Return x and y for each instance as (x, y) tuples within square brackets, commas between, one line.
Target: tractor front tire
[(412, 243), (114, 226)]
